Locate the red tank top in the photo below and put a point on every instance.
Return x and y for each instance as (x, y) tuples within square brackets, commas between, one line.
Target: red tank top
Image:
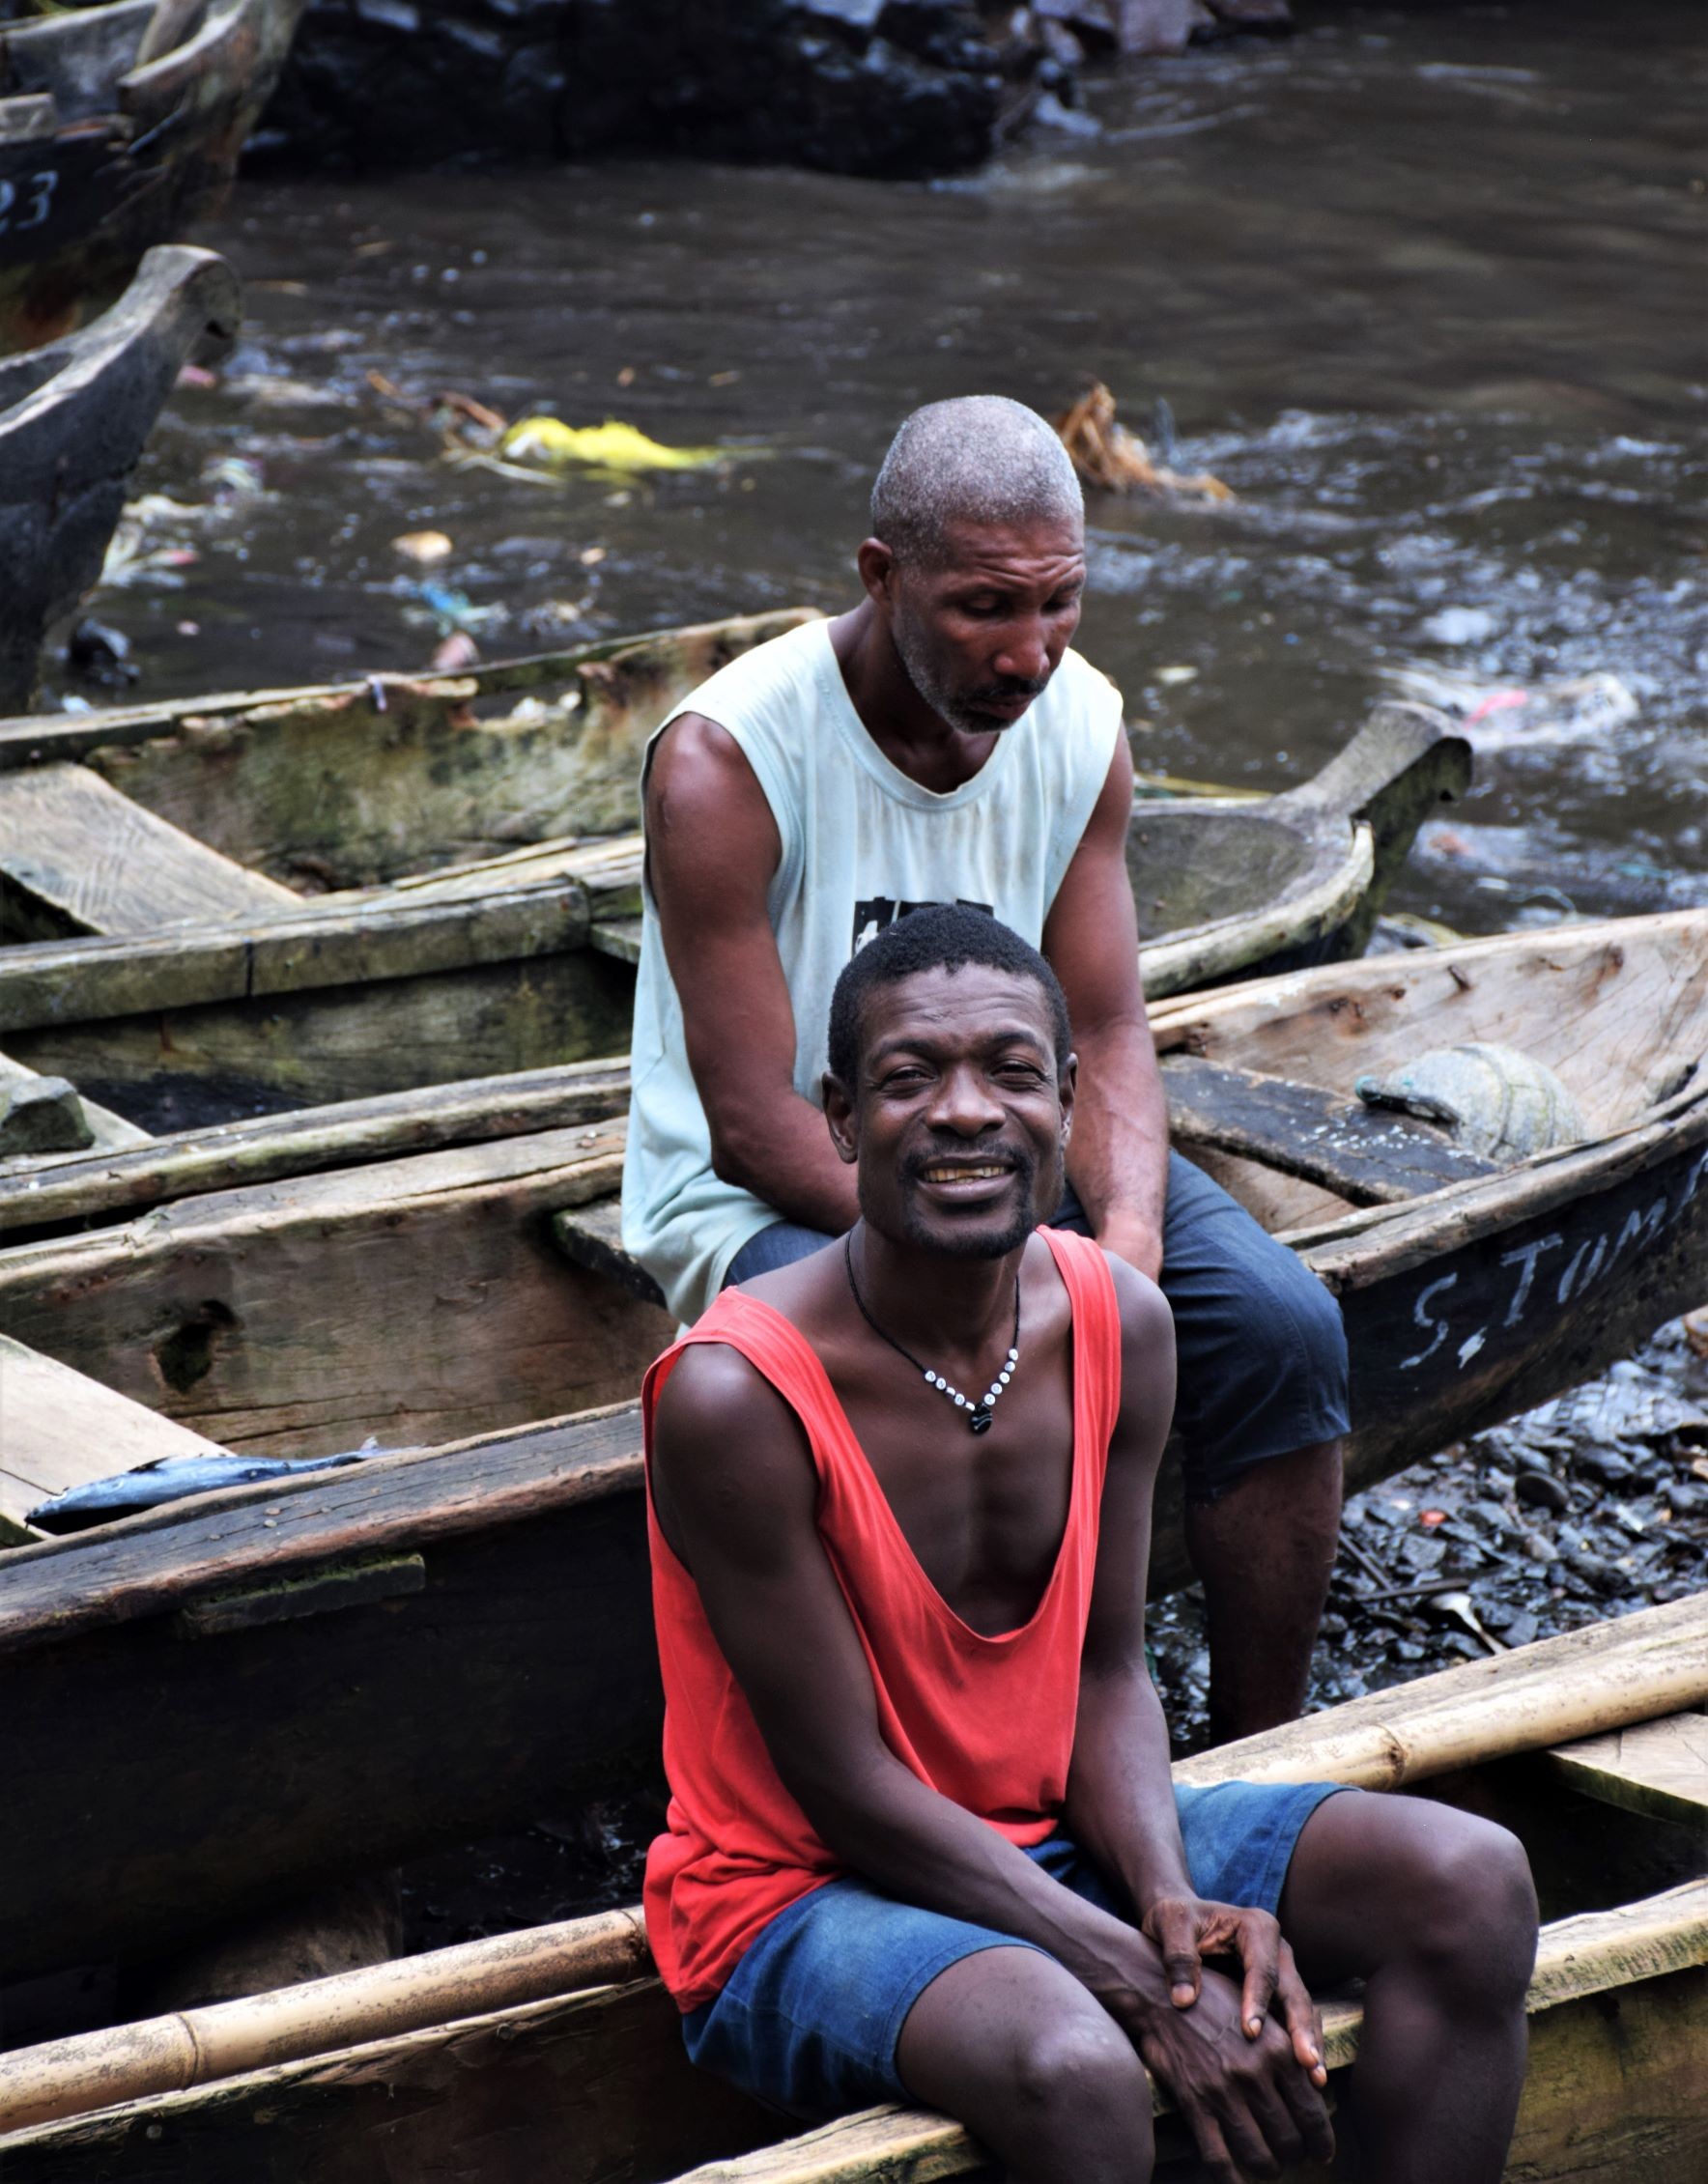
[(987, 1721)]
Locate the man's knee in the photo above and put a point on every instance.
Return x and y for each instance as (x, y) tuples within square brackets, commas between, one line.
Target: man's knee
[(1080, 2071), (1466, 1909)]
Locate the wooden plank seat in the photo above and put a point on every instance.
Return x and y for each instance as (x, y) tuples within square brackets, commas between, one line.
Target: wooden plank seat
[(59, 1430), (45, 1115), (77, 857), (1658, 1769), (1367, 1156)]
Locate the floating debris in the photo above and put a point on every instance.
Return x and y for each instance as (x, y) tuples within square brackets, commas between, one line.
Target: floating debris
[(618, 449), (1107, 455), (423, 547), (1576, 709)]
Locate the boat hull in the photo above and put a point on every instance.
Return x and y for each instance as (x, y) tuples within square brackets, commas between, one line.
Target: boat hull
[(73, 419), (112, 159), (590, 2081)]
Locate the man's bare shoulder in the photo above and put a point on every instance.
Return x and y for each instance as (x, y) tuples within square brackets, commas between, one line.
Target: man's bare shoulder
[(1145, 1313), (714, 1393), (712, 842), (729, 1458), (695, 758)]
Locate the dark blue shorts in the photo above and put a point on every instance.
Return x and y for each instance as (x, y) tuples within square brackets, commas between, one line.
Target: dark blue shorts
[(811, 2015), (1260, 1349)]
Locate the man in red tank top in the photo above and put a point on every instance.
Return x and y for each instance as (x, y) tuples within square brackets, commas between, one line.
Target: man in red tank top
[(923, 1842)]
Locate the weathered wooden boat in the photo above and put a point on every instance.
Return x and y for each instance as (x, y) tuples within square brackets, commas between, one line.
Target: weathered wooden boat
[(74, 417), (552, 2051), (119, 125), (474, 926), (419, 1297)]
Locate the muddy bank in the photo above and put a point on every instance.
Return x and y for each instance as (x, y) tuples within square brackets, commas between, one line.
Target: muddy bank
[(870, 87)]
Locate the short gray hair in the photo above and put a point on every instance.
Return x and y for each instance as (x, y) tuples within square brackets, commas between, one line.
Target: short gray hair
[(978, 459)]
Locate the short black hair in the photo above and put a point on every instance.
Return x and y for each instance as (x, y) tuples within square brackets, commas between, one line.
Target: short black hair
[(938, 936)]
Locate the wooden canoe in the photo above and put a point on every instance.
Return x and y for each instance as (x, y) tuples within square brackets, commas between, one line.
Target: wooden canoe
[(478, 833), (553, 2052), (291, 1315), (418, 1297), (74, 417), (119, 125)]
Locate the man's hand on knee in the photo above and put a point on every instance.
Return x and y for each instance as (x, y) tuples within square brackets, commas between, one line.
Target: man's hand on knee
[(1186, 1929), (1249, 2101)]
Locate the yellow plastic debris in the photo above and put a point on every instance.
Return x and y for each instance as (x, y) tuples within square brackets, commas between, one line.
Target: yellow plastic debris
[(623, 449)]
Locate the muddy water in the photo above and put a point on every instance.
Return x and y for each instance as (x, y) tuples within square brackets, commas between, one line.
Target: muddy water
[(1426, 289)]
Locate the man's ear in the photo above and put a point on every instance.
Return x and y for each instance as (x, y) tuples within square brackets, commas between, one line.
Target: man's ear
[(1066, 1085), (839, 1119), (877, 570)]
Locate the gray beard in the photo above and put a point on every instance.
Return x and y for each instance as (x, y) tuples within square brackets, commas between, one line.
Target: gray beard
[(911, 655)]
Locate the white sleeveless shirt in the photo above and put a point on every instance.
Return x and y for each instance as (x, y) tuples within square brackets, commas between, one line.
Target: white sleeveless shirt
[(862, 845)]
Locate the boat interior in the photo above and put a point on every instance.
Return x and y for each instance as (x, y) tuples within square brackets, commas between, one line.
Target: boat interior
[(586, 2079)]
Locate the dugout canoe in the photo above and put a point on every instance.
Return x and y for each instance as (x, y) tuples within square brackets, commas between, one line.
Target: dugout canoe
[(475, 925), (119, 125), (419, 1297), (74, 417), (554, 2052)]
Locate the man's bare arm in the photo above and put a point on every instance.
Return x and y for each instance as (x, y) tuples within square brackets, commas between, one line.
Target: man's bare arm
[(1120, 1792), (712, 850), (1120, 1803), (1119, 1159)]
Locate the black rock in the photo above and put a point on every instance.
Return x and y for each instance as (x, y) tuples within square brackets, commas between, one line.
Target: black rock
[(1541, 1489), (1605, 1464), (881, 87)]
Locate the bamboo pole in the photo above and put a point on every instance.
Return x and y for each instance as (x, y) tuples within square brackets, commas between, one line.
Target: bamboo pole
[(1556, 1692), (193, 2047), (1560, 1690)]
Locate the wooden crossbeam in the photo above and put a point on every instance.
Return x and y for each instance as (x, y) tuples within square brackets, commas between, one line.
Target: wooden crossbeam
[(1655, 1768), (77, 857), (1365, 1156), (59, 1430)]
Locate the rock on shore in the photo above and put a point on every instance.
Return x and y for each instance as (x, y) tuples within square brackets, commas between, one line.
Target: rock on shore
[(878, 87)]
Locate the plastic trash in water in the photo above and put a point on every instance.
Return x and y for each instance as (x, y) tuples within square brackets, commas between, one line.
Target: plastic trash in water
[(619, 450)]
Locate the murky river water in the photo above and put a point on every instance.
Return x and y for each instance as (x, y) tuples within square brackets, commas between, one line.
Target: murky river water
[(1426, 289)]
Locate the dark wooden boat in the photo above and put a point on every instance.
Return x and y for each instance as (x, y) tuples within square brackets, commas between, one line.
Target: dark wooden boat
[(119, 125), (553, 2052), (476, 832), (284, 1314), (418, 1297), (74, 417)]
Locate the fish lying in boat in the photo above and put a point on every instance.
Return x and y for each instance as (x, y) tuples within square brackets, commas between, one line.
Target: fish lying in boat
[(102, 1501)]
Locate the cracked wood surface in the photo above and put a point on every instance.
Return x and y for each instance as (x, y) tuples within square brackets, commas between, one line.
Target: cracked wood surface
[(76, 856)]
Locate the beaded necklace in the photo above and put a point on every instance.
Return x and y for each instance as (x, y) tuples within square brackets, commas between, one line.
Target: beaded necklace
[(980, 1412)]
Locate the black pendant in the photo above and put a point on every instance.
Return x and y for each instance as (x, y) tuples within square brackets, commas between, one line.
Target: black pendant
[(981, 1420)]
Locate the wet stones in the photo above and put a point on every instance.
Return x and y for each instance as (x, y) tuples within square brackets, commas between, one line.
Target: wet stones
[(1589, 1507), (1541, 1489)]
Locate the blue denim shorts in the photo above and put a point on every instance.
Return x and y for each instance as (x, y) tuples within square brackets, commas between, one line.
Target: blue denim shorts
[(811, 2016), (1262, 1351)]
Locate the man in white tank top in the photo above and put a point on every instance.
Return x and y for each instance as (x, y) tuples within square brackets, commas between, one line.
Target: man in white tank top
[(942, 742)]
